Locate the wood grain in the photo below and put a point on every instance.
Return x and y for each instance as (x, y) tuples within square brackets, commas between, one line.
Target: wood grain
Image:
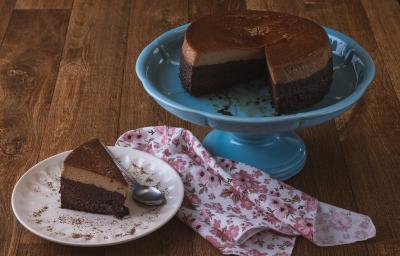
[(29, 61), (43, 4), (147, 21), (86, 99), (384, 19), (54, 98), (6, 8)]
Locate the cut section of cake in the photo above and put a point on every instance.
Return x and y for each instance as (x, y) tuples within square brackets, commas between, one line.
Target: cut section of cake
[(291, 53), (91, 182)]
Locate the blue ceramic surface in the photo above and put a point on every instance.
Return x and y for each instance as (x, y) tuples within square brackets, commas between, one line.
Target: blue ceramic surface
[(247, 129)]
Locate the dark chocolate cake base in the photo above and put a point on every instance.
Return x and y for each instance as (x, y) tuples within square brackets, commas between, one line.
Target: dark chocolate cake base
[(207, 79), (286, 98), (303, 93), (89, 198)]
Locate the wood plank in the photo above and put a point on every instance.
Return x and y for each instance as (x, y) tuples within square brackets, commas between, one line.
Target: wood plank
[(6, 9), (198, 9), (29, 61), (384, 19), (86, 99), (87, 95), (147, 21), (43, 4)]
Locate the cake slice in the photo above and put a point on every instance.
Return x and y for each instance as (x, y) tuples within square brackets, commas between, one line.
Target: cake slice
[(91, 182), (291, 53)]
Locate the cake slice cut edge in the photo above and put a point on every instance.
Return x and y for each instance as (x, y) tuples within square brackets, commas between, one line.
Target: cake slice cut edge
[(91, 182)]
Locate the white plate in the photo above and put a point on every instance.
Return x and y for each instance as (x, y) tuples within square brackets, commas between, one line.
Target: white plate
[(36, 203)]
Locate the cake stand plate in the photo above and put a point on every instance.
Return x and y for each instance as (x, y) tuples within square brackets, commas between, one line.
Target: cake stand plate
[(246, 127)]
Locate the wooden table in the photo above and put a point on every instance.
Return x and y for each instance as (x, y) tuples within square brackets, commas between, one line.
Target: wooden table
[(67, 75)]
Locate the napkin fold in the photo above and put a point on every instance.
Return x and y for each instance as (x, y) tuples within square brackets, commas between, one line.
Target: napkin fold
[(240, 209)]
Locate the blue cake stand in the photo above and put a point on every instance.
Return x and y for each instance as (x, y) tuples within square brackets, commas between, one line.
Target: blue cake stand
[(246, 128)]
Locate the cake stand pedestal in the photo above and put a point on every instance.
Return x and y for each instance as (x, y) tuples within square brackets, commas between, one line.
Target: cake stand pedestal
[(282, 155)]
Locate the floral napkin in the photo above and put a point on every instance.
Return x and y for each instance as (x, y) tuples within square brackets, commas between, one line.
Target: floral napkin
[(240, 209)]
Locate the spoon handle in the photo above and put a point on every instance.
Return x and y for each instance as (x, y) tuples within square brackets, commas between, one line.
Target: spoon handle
[(119, 165)]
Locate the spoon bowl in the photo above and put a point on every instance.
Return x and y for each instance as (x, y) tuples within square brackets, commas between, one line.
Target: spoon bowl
[(147, 195)]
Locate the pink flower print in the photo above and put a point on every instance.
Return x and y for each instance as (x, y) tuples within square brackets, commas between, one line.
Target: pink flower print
[(194, 156), (231, 232), (194, 199), (217, 207), (274, 193), (211, 196), (364, 224), (207, 215), (227, 164), (262, 197), (214, 241), (296, 198), (287, 243), (236, 210), (270, 246), (184, 149), (188, 177), (213, 181), (281, 254), (242, 180), (256, 174), (166, 152), (195, 224), (202, 176), (206, 156), (175, 141), (340, 221), (255, 252), (361, 234), (274, 203), (186, 136), (259, 188), (310, 203), (135, 136), (179, 164), (160, 129), (246, 204), (305, 227), (270, 219), (216, 224), (281, 212)]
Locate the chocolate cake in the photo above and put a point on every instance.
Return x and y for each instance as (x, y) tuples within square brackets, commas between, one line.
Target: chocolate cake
[(91, 182), (292, 54)]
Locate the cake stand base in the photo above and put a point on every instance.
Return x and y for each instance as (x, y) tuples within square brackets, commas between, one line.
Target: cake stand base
[(281, 155)]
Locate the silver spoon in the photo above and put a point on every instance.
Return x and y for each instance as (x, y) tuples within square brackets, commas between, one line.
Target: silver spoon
[(147, 195)]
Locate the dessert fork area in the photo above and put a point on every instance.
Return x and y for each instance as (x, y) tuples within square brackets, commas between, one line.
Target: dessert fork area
[(67, 75)]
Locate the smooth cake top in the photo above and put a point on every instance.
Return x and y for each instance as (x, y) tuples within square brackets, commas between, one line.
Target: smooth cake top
[(91, 156), (283, 39)]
